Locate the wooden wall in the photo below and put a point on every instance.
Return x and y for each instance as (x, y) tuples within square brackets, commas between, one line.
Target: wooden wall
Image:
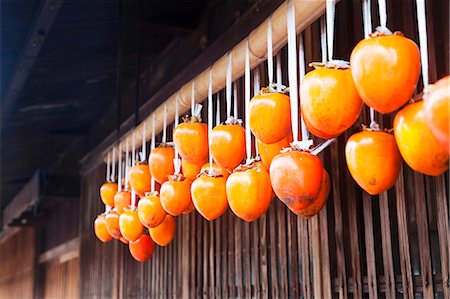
[(392, 245), (61, 280), (17, 260)]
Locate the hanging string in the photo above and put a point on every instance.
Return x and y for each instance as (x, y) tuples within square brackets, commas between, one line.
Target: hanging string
[(210, 115), (301, 62), (330, 27), (218, 109), (120, 167), (193, 98), (164, 135), (269, 50), (113, 171), (256, 89), (108, 166), (126, 162), (152, 147), (176, 109), (383, 13), (133, 150), (235, 105), (176, 160), (144, 150), (228, 85), (248, 137), (422, 23), (292, 68), (323, 39), (279, 73)]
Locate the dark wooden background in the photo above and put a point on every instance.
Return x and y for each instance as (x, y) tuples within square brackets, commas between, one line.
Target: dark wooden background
[(392, 245)]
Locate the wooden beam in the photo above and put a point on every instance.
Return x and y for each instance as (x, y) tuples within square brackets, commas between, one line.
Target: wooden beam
[(62, 253), (36, 38)]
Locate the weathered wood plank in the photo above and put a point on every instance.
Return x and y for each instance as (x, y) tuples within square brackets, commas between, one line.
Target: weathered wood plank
[(325, 250), (388, 263), (274, 290), (281, 252), (370, 250), (316, 256), (443, 232)]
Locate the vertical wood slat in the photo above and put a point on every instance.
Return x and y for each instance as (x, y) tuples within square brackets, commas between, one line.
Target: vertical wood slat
[(304, 245), (316, 255), (325, 250), (422, 233), (238, 257), (247, 261), (294, 290), (443, 232), (281, 250), (370, 251), (388, 262), (263, 251), (212, 265), (273, 251)]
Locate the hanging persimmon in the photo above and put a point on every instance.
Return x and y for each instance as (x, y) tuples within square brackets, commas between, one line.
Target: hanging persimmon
[(142, 249), (123, 240), (373, 160), (319, 202), (175, 195), (315, 131), (189, 209), (107, 192), (217, 169), (164, 233), (385, 69), (191, 140), (268, 151), (189, 170), (122, 199), (130, 226), (140, 178), (249, 192), (270, 116), (436, 107), (100, 229), (419, 148), (209, 194), (112, 224), (150, 210), (296, 178), (228, 144), (161, 162), (329, 100)]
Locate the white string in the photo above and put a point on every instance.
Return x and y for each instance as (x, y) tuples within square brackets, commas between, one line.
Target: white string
[(210, 115), (256, 89), (279, 73), (193, 98), (323, 39), (176, 110), (120, 167), (176, 160), (133, 150), (144, 150), (383, 13), (301, 62), (218, 109), (108, 166), (126, 162), (367, 23), (164, 136), (152, 147), (228, 84), (269, 50), (330, 27), (292, 68), (422, 23), (113, 172), (235, 105), (248, 140)]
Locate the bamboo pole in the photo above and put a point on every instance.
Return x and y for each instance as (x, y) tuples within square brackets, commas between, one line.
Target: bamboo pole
[(306, 12)]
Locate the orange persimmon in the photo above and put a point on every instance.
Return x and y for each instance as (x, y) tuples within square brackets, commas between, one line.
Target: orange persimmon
[(209, 195), (191, 140), (130, 226), (175, 195), (385, 69), (419, 148), (189, 170), (160, 162), (228, 145), (270, 116), (100, 229), (217, 169), (140, 178), (268, 151), (122, 199), (150, 210), (112, 224), (373, 160), (142, 249), (107, 192), (164, 233)]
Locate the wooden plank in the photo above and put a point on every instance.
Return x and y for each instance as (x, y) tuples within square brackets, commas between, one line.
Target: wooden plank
[(256, 262), (263, 254), (63, 252), (247, 261), (192, 255), (325, 250), (225, 266), (292, 254), (423, 237), (212, 266), (185, 257), (443, 232), (304, 245), (274, 290), (238, 257), (281, 252), (218, 256), (316, 255), (388, 263), (198, 236), (370, 250)]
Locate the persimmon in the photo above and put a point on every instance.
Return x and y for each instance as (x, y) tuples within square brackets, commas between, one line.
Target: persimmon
[(268, 151), (319, 202), (175, 195), (296, 178), (315, 131), (373, 160), (100, 229), (130, 226), (140, 178), (218, 170), (142, 249), (107, 192), (191, 140), (164, 233), (270, 116), (249, 191), (227, 144), (419, 148), (209, 195), (189, 209), (122, 200), (189, 170), (150, 210), (161, 162), (329, 100), (123, 240), (112, 224), (436, 108), (385, 69)]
